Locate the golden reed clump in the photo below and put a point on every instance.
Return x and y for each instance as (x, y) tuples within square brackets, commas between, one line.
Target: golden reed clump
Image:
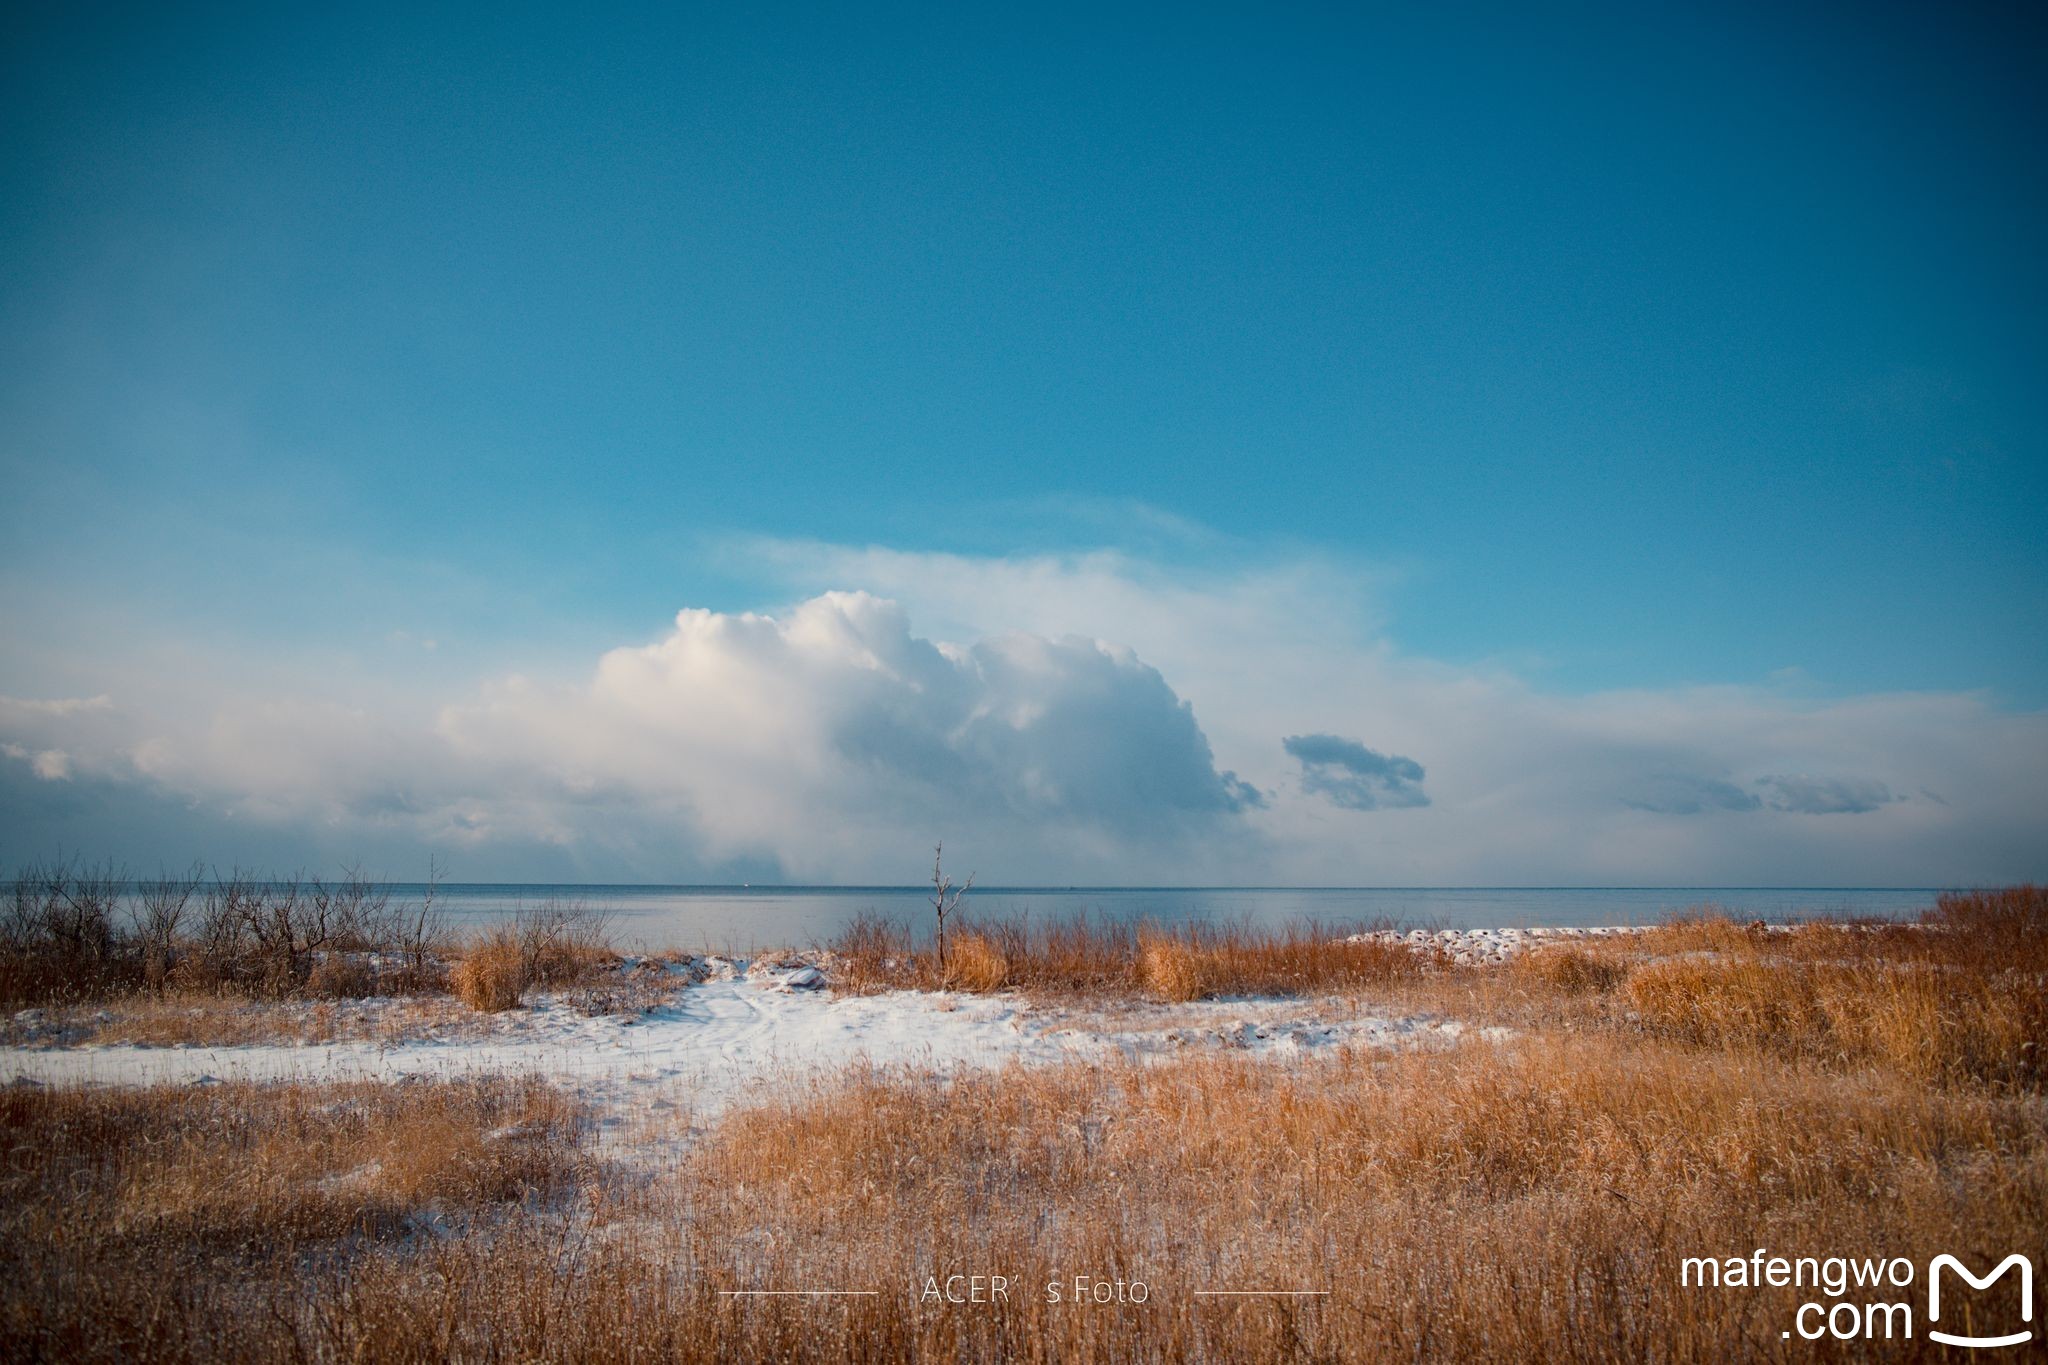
[(1173, 968), (548, 945), (976, 963), (492, 975)]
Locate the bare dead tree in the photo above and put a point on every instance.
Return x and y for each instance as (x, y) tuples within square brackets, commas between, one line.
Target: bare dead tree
[(945, 898), (422, 931)]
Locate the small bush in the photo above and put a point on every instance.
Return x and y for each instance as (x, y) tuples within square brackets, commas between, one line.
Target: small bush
[(562, 945), (1172, 967), (492, 974), (872, 953), (975, 963), (548, 945)]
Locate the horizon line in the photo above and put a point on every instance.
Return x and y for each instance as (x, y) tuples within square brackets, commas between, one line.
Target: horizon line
[(1069, 889)]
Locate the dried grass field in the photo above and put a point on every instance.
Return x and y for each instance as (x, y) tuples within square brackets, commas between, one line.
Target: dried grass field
[(1704, 1089)]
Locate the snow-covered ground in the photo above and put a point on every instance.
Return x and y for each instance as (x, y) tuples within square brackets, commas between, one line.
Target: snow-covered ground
[(1470, 946), (736, 1036)]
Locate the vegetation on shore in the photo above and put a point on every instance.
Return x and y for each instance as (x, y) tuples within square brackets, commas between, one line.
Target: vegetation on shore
[(221, 959), (1697, 1090)]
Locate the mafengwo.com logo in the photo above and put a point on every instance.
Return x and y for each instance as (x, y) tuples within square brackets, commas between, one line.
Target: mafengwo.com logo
[(2012, 1262), (1864, 1299)]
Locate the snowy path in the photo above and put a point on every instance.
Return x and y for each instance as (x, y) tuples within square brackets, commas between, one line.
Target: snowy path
[(724, 1041), (716, 1037)]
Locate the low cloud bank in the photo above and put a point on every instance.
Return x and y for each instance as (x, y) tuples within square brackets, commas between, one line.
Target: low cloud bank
[(1108, 721), (1684, 794), (824, 742)]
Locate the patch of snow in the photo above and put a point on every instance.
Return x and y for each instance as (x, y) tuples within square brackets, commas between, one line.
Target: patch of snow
[(1477, 947), (739, 1034), (803, 979)]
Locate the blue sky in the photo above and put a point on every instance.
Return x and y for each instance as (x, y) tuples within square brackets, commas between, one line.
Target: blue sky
[(1601, 352)]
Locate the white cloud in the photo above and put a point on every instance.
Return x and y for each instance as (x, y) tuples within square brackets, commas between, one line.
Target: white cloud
[(1074, 718), (832, 738), (1524, 786)]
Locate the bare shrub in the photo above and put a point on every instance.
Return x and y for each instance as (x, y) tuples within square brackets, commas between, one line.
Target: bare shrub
[(159, 917), (562, 943), (873, 954), (60, 938), (419, 934)]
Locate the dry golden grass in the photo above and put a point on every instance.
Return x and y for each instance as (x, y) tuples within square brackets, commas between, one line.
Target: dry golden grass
[(252, 1162), (1054, 956), (1530, 1202), (343, 976), (1172, 968), (550, 946), (1826, 1092), (1962, 996), (1106, 958), (492, 974), (1571, 970), (976, 963), (134, 1220), (1907, 1015), (179, 1019)]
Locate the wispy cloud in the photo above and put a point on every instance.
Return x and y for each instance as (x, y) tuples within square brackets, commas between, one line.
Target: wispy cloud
[(1685, 794), (1827, 795), (1346, 773)]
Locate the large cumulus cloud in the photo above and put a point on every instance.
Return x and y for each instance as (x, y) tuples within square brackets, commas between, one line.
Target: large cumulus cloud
[(814, 735), (829, 742)]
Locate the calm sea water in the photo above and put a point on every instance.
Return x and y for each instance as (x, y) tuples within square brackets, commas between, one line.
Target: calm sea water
[(740, 917)]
